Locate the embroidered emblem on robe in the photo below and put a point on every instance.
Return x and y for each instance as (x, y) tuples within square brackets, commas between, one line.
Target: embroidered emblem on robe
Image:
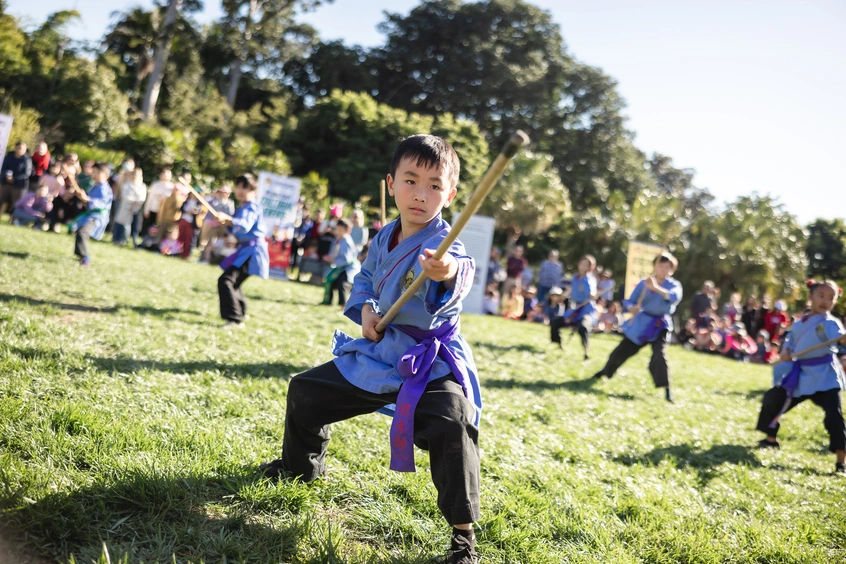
[(408, 279)]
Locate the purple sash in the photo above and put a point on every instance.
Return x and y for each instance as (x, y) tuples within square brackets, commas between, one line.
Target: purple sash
[(414, 368), (230, 260), (791, 380), (657, 323)]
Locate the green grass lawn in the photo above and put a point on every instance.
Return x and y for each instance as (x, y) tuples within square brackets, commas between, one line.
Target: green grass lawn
[(132, 424)]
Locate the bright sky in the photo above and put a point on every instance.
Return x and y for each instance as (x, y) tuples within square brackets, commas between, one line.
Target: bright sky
[(749, 93)]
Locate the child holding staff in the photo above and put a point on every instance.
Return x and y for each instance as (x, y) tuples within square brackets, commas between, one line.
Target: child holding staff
[(817, 376), (92, 224), (652, 322), (250, 258), (421, 362)]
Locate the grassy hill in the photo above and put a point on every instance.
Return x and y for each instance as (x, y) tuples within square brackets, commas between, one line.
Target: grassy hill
[(132, 424)]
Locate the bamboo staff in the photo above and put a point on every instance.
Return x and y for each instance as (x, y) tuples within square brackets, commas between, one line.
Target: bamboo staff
[(485, 186), (661, 252), (795, 356), (203, 201), (384, 208)]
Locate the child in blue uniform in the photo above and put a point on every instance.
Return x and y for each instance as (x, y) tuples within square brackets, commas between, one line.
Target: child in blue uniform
[(250, 258), (817, 376), (343, 257), (421, 362), (582, 296), (92, 223), (651, 324)]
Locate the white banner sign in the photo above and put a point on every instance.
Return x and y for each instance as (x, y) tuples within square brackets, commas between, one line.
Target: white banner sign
[(278, 196), (5, 130), (477, 237)]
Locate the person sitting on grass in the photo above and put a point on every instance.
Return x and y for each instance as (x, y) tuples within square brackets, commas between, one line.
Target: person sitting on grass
[(512, 304), (652, 322), (817, 375), (738, 345), (765, 352), (343, 259), (32, 208), (92, 223), (250, 259), (421, 362)]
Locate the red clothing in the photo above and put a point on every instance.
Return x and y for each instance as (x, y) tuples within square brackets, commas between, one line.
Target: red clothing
[(40, 163), (186, 235), (774, 322), (514, 266)]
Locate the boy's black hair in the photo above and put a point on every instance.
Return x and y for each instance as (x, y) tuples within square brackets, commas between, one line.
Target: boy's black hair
[(429, 151), (248, 181), (102, 167), (666, 257), (344, 223)]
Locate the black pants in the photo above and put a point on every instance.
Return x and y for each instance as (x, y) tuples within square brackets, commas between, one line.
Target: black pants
[(443, 425), (84, 233), (233, 304), (343, 286), (657, 365), (830, 402), (557, 323)]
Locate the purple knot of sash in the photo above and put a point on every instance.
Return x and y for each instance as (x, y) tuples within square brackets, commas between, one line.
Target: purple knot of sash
[(790, 381), (657, 323), (573, 315), (414, 367), (230, 260)]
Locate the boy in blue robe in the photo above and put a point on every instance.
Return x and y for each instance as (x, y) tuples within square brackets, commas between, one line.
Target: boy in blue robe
[(249, 259), (817, 376), (652, 322), (582, 294), (92, 224), (421, 363), (343, 257)]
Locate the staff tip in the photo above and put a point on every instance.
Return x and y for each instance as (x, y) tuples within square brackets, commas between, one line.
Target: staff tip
[(513, 145)]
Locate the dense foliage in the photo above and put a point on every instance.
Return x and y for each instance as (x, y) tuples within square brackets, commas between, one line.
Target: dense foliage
[(259, 90)]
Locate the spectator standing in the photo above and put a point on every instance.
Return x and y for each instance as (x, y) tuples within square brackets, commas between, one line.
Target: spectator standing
[(496, 273), (359, 233), (549, 274), (191, 212), (605, 286), (40, 163), (128, 217), (751, 317), (703, 300), (776, 321), (514, 267), (302, 234), (14, 177), (54, 180), (160, 190), (733, 309), (83, 179), (170, 211)]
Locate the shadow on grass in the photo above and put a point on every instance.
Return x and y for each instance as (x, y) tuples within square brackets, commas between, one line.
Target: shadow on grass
[(166, 313), (704, 462), (127, 365), (13, 254), (494, 348), (584, 386), (751, 394), (152, 517), (146, 515)]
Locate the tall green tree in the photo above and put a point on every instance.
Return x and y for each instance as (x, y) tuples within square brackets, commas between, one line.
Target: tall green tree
[(332, 66), (349, 138), (826, 249), (504, 64), (261, 35)]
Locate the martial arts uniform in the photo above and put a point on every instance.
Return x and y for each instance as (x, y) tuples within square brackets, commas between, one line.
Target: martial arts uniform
[(249, 259), (92, 224), (582, 290)]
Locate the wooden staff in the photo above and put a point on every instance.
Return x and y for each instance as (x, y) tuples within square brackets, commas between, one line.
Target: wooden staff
[(203, 201), (810, 349), (384, 208), (485, 186)]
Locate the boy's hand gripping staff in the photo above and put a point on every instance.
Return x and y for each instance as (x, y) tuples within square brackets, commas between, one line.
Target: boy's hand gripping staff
[(490, 179), (202, 201), (810, 349)]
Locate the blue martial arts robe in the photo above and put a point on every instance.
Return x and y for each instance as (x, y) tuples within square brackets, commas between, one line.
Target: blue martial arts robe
[(582, 290), (248, 229), (99, 205), (383, 277), (344, 255), (807, 332), (654, 311)]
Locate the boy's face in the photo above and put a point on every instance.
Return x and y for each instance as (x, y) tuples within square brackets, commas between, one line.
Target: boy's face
[(420, 192), (243, 194), (663, 269), (340, 231), (99, 176)]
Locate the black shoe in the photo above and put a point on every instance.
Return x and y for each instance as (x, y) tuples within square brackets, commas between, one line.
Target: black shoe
[(274, 470), (586, 357), (462, 549), (840, 468), (668, 395), (598, 375), (764, 443)]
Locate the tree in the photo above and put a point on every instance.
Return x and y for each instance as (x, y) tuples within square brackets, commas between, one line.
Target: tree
[(332, 66), (13, 60), (826, 250), (504, 65), (261, 35), (133, 39), (350, 138), (528, 198)]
